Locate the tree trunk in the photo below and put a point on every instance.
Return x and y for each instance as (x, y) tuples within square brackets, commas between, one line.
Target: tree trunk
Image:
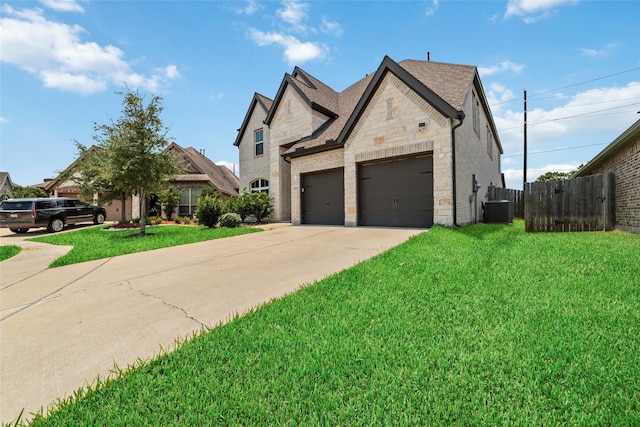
[(123, 213), (143, 212)]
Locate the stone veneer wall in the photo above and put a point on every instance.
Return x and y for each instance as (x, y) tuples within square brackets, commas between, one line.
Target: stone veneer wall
[(389, 127), (472, 158), (254, 167)]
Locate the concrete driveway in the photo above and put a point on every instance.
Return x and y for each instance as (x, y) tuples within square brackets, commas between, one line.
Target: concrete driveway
[(61, 328)]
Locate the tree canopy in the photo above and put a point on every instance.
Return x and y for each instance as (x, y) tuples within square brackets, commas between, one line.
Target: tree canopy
[(130, 156)]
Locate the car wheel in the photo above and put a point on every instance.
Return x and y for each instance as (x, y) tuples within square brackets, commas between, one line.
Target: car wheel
[(55, 225), (19, 230), (99, 218)]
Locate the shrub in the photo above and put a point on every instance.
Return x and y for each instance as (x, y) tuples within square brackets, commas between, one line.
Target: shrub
[(170, 198), (208, 210), (259, 205), (230, 220)]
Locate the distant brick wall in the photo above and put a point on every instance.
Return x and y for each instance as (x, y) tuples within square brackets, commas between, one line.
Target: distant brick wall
[(625, 165)]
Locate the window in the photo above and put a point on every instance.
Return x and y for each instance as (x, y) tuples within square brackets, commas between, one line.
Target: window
[(188, 197), (260, 185), (489, 143), (476, 113), (259, 139)]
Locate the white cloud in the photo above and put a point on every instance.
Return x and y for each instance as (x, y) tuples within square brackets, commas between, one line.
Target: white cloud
[(514, 177), (435, 4), (3, 120), (294, 13), (531, 11), (295, 51), (503, 66), (63, 5), (56, 53), (251, 8), (597, 110), (597, 53), (171, 71), (331, 27)]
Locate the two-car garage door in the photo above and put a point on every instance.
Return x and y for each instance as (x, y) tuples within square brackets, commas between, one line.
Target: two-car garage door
[(396, 193), (393, 193)]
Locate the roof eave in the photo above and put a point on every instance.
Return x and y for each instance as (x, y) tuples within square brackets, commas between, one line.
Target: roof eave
[(628, 135)]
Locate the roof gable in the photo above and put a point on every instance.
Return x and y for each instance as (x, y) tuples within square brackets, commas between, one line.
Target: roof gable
[(389, 65), (260, 101), (313, 92), (197, 163)]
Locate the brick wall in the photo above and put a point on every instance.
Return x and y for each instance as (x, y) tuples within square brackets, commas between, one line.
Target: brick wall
[(625, 165)]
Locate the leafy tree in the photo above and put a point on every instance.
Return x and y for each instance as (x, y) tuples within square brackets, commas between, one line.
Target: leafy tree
[(553, 176), (19, 191), (170, 199), (130, 156)]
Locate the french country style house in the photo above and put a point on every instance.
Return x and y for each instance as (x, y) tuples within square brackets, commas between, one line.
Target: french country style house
[(411, 145)]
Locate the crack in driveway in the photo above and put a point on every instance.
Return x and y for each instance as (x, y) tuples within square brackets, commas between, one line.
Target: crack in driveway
[(168, 304)]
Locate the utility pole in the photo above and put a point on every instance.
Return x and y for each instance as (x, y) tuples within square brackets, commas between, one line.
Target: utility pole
[(524, 174)]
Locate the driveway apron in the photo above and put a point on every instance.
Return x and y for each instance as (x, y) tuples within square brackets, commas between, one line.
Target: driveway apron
[(62, 328)]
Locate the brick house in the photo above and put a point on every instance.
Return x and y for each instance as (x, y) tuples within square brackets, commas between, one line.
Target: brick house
[(622, 157), (412, 144), (200, 173)]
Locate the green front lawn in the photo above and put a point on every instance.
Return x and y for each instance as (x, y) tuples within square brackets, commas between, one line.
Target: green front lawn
[(486, 325), (95, 243), (8, 251)]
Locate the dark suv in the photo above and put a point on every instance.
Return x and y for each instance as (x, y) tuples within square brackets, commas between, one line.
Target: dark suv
[(19, 215)]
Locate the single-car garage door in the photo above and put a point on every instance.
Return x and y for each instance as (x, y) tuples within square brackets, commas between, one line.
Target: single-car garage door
[(396, 193), (323, 197)]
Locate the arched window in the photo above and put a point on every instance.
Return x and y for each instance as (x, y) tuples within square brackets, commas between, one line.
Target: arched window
[(260, 185)]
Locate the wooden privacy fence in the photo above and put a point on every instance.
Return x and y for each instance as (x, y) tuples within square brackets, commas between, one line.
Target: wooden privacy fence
[(579, 204), (516, 197)]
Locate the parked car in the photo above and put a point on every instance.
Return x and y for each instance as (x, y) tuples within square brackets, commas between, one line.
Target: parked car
[(19, 215)]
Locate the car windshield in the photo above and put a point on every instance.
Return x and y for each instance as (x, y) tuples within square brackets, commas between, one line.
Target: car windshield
[(12, 205)]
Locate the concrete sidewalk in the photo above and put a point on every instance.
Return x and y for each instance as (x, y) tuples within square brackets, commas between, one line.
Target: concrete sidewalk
[(61, 328)]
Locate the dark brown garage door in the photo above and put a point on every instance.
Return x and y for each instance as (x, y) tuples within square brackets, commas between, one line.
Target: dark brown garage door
[(323, 197), (397, 193)]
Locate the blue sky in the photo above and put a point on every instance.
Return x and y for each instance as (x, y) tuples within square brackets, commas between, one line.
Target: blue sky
[(62, 61)]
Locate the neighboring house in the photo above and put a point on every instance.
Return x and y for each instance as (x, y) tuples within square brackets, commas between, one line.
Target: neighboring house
[(6, 186), (200, 173), (412, 144), (622, 157)]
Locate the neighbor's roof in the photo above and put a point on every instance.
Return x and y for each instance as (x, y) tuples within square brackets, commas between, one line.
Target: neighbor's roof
[(201, 168), (632, 134)]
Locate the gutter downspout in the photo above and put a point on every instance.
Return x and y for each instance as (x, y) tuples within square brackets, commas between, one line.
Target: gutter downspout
[(453, 159)]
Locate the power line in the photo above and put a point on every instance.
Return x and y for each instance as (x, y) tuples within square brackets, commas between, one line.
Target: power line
[(557, 149), (568, 86), (594, 113)]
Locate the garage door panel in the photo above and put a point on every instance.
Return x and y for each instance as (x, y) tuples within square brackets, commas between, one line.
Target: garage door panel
[(323, 198), (397, 193)]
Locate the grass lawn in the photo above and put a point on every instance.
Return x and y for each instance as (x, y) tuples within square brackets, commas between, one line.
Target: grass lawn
[(7, 251), (485, 325), (95, 243)]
